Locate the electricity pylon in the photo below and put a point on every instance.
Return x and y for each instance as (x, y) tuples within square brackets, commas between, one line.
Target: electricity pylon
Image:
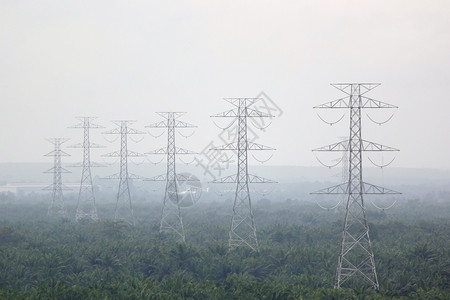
[(356, 257), (243, 229), (171, 219), (86, 207), (124, 207), (57, 206)]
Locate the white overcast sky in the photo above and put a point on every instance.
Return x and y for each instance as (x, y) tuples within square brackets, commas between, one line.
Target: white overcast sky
[(129, 59)]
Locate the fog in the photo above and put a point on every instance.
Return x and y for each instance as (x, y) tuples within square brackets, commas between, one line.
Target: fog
[(123, 60)]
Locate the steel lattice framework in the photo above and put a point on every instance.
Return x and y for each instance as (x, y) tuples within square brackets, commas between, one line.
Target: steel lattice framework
[(57, 206), (171, 218), (86, 207), (124, 207), (243, 229), (356, 259)]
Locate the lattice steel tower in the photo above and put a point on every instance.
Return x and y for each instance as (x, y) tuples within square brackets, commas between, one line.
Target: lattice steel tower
[(243, 229), (57, 206), (124, 207), (356, 259), (171, 219), (86, 208)]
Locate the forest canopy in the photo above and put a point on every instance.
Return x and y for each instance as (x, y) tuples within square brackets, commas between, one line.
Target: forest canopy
[(42, 258)]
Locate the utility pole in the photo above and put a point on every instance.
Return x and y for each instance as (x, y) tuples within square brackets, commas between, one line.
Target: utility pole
[(356, 259), (243, 230), (171, 218), (57, 206), (86, 208), (124, 207)]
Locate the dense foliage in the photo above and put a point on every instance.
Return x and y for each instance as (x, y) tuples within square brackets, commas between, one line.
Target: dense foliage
[(60, 259)]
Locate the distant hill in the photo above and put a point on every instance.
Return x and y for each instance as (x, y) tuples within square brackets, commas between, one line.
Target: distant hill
[(293, 181), (34, 172)]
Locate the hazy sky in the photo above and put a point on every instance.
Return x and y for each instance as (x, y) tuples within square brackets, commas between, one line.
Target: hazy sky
[(128, 59)]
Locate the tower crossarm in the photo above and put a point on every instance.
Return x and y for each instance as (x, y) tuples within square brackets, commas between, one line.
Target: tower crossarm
[(334, 190), (229, 113), (250, 179), (339, 103), (231, 146), (91, 164), (57, 141), (183, 177), (60, 170), (162, 177), (367, 188), (365, 103), (112, 131), (134, 176), (51, 187), (91, 145), (90, 126), (178, 150), (256, 146), (181, 124), (250, 146), (134, 154), (57, 152), (129, 176), (374, 189), (371, 146), (118, 154), (256, 113), (167, 114), (112, 154), (347, 87), (226, 179), (114, 176), (372, 103), (248, 112), (134, 131), (158, 151), (160, 124), (119, 131), (86, 122), (365, 146), (340, 146), (259, 179), (242, 102)]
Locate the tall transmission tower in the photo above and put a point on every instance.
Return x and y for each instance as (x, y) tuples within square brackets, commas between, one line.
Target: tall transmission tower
[(356, 259), (57, 206), (86, 208), (124, 207), (171, 218), (243, 229)]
